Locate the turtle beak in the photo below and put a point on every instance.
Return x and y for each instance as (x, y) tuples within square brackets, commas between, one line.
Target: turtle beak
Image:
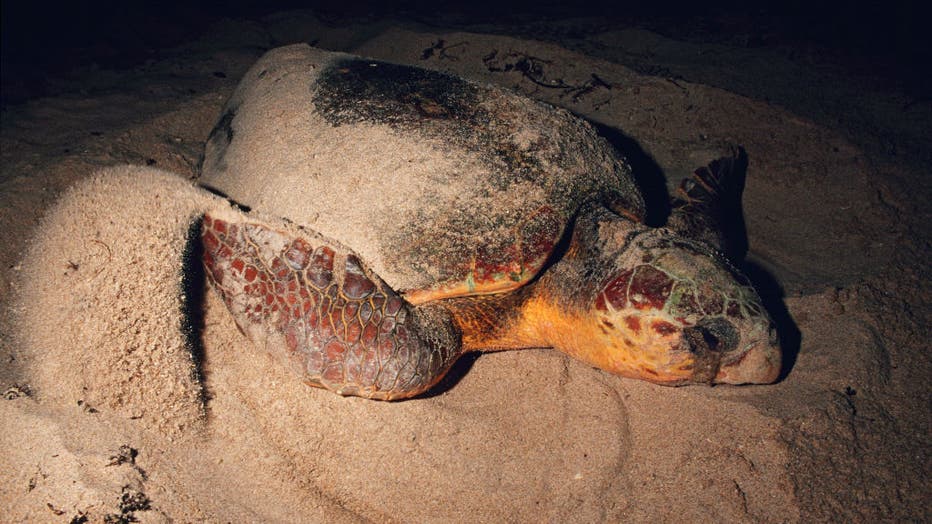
[(761, 364)]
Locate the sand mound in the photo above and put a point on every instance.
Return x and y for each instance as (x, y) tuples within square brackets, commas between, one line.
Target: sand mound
[(102, 309)]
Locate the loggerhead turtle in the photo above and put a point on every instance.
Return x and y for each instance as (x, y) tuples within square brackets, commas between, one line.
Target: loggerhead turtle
[(425, 216)]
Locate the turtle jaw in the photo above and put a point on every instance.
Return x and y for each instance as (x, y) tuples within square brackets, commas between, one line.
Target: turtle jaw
[(674, 357)]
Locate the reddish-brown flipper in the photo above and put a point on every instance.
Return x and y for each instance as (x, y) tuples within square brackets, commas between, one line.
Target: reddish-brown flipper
[(315, 305)]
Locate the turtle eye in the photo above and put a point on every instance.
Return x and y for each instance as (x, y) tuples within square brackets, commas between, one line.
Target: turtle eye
[(711, 341), (715, 335)]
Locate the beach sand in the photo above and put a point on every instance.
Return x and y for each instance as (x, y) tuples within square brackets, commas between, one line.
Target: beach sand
[(121, 401)]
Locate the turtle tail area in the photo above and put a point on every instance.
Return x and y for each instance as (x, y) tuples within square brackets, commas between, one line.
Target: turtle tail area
[(313, 304), (707, 205)]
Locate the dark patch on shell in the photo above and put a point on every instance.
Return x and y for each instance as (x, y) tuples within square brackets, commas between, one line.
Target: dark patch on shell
[(437, 105), (353, 91)]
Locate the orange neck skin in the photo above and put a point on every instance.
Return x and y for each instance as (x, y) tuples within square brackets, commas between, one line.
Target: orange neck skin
[(520, 321), (498, 323), (495, 322)]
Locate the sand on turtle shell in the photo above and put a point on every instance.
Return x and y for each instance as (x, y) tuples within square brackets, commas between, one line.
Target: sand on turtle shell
[(228, 435)]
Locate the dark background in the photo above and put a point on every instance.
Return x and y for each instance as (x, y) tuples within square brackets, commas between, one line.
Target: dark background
[(43, 40)]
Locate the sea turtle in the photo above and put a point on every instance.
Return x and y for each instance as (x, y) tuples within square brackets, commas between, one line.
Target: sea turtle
[(424, 216)]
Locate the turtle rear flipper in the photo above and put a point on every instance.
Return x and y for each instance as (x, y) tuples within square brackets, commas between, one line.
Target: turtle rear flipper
[(313, 303), (707, 205)]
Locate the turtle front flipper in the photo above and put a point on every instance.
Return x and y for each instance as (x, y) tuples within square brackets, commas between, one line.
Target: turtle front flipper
[(314, 305), (706, 206)]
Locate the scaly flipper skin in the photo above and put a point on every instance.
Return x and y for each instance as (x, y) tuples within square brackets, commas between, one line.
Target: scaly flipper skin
[(314, 303)]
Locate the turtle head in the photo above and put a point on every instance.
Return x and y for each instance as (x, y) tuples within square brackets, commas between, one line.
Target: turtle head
[(674, 311)]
